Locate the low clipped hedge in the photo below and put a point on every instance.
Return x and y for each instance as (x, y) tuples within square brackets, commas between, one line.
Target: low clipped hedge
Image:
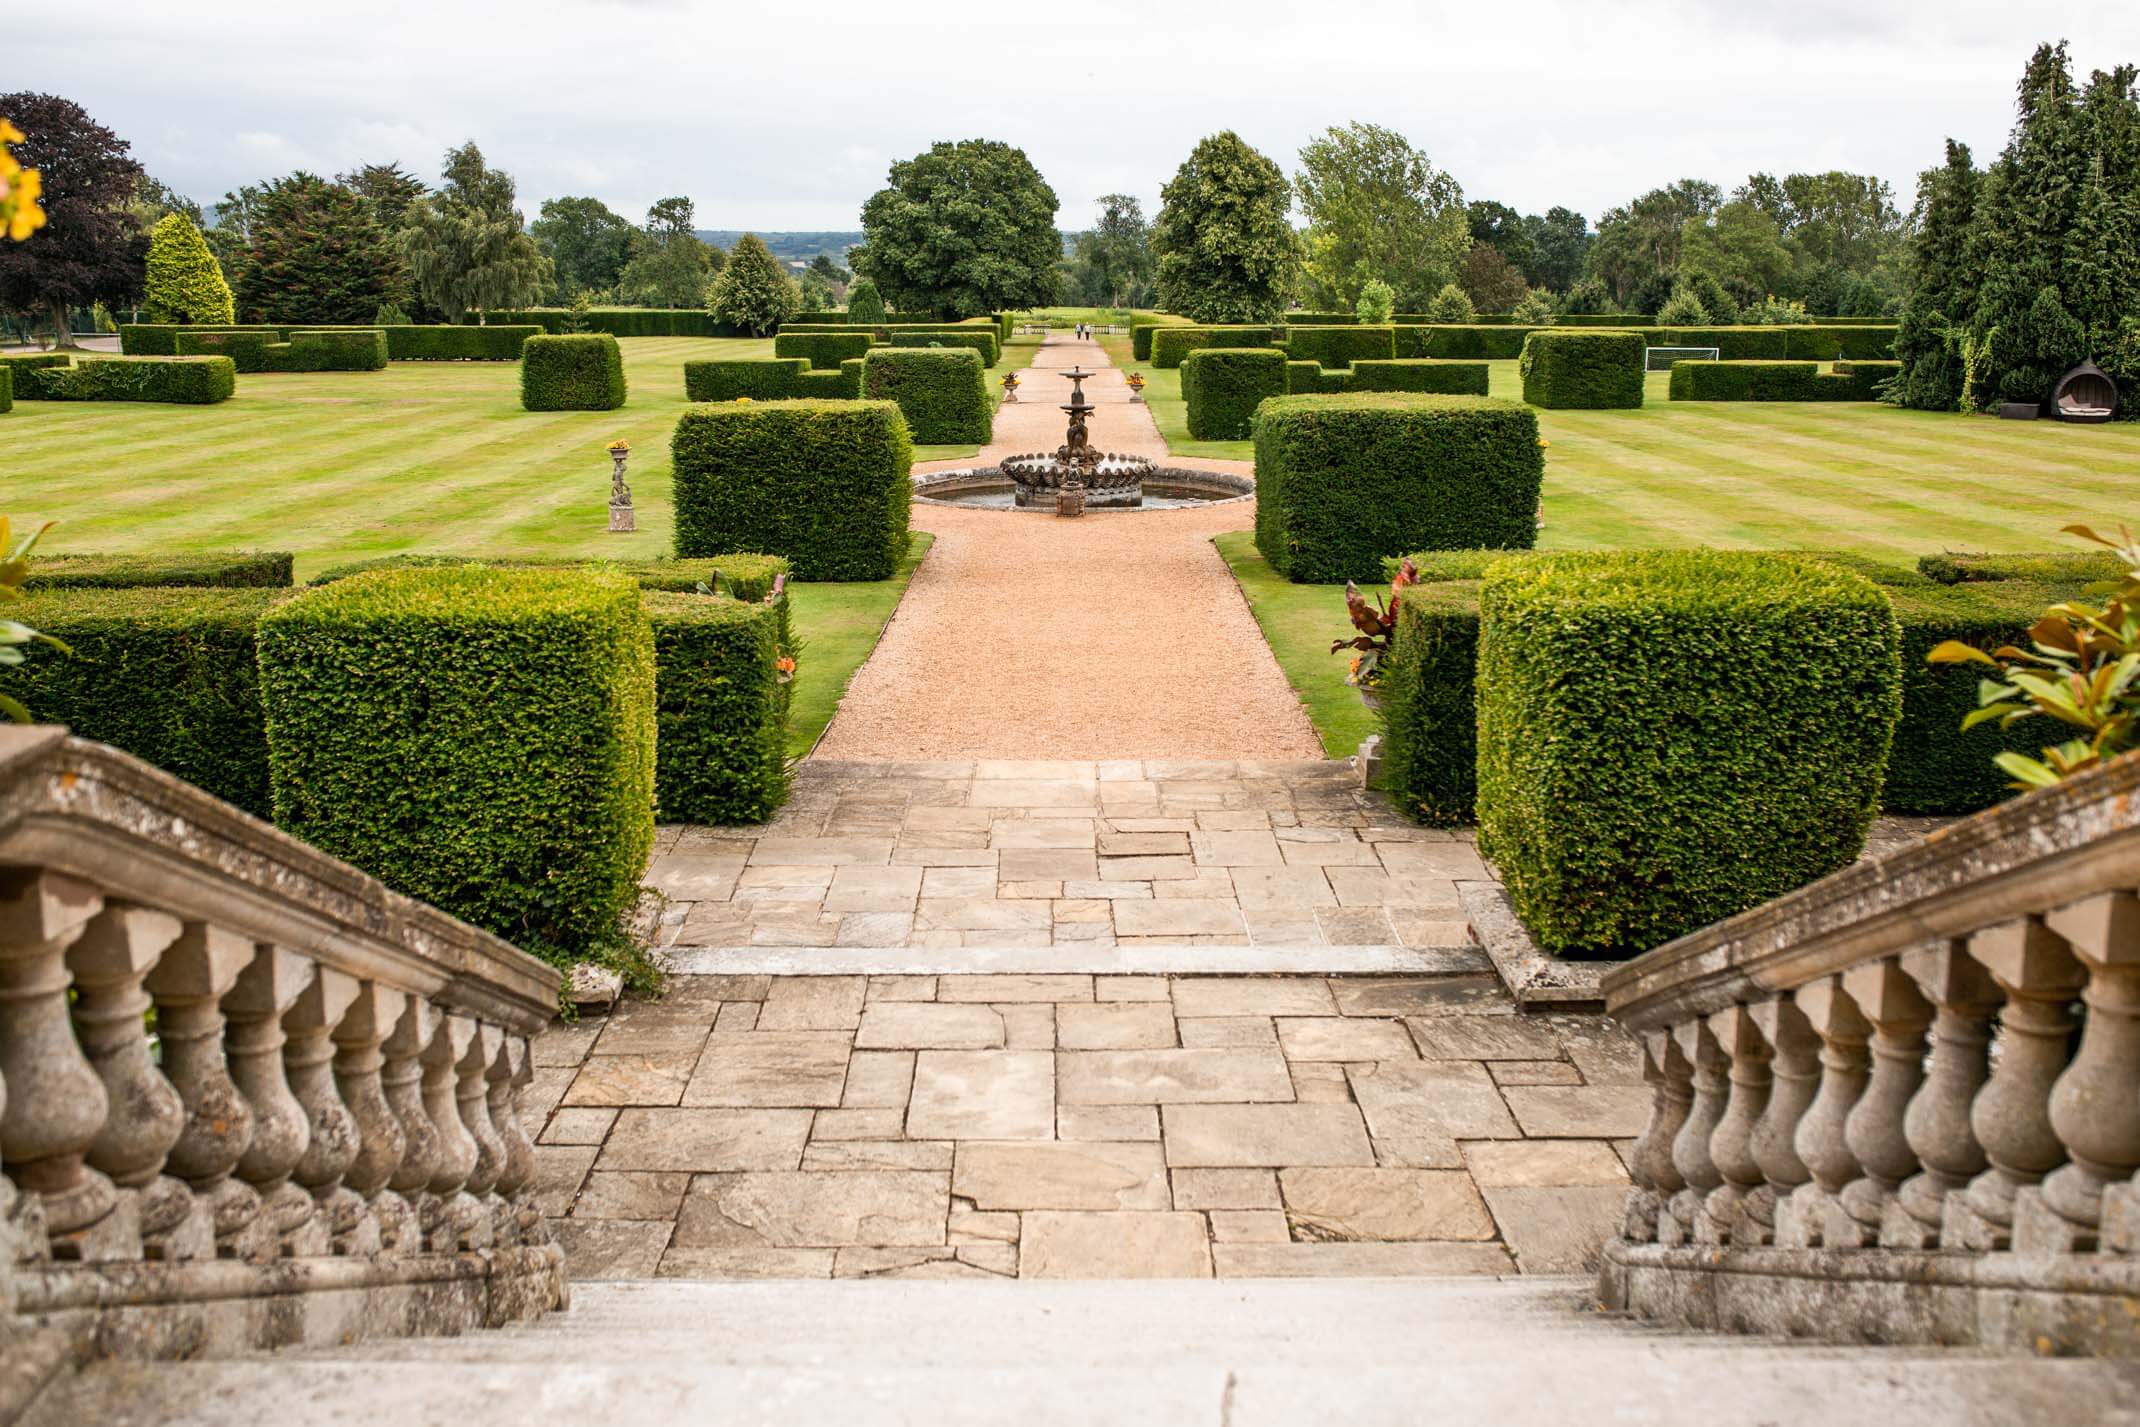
[(1582, 371), (1340, 347), (1437, 377), (480, 738), (1666, 738), (1170, 344), (1309, 379), (1462, 341), (1344, 481), (236, 569), (746, 577), (2072, 567), (984, 342), (169, 675), (822, 349), (160, 339), (721, 709), (618, 321), (331, 351), (822, 483), (1222, 386), (405, 342), (1140, 338), (580, 372), (177, 381), (943, 394), (1321, 319), (760, 378), (248, 351), (1778, 381)]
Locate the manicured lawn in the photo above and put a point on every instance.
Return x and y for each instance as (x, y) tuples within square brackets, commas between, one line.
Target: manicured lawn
[(424, 456), (838, 624), (1298, 622)]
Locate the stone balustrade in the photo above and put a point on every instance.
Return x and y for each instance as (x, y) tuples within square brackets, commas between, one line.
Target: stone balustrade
[(248, 1095), (1902, 1104)]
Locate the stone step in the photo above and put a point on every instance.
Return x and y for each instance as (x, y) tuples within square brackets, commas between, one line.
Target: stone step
[(1240, 1354)]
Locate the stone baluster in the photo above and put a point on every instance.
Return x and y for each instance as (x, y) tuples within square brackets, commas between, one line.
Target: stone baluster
[(1821, 1140), (534, 1229), (402, 1206), (331, 1141), (1690, 1147), (1964, 999), (1731, 1145), (56, 1103), (2012, 1114), (1899, 1014), (455, 1223), (2095, 1104), (189, 983), (473, 1097), (358, 1063), (518, 1168), (1794, 1071), (1656, 1178), (266, 989), (146, 1116)]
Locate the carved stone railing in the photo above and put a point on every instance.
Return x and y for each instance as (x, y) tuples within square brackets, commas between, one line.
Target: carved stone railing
[(1902, 1104), (248, 1095)]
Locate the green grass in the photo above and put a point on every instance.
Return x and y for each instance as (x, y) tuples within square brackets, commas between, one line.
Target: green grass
[(1299, 622), (839, 624), (424, 456)]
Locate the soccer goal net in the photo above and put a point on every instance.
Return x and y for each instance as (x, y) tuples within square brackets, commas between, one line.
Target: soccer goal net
[(1660, 359)]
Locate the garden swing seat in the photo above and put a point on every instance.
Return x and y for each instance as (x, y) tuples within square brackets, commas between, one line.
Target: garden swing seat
[(2085, 394)]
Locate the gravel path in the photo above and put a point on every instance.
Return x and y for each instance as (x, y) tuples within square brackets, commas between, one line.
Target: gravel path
[(1114, 636)]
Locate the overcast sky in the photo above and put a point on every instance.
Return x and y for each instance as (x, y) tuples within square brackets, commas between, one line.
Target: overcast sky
[(785, 116)]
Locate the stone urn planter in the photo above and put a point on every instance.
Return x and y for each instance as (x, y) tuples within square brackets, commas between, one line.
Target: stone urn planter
[(1370, 695)]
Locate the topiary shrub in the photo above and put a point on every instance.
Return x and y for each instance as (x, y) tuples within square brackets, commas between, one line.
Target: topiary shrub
[(169, 675), (1430, 724), (1451, 304), (1442, 378), (865, 305), (183, 281), (721, 709), (1222, 387), (943, 393), (1340, 347), (1565, 369), (363, 351), (494, 343), (480, 738), (1778, 381), (160, 339), (237, 569), (823, 483), (1377, 301), (1170, 344), (760, 379), (822, 349), (1667, 738), (582, 372), (1344, 481), (179, 381), (248, 351), (984, 341)]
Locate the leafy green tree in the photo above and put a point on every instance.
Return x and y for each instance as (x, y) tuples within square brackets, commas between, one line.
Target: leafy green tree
[(1536, 309), (835, 276), (1225, 250), (390, 187), (1716, 301), (586, 243), (1559, 240), (1636, 250), (864, 303), (317, 252), (1451, 304), (184, 283), (467, 245), (91, 248), (1378, 301), (814, 292), (1587, 295), (1377, 207), (753, 291), (1503, 228), (1683, 309), (963, 229), (669, 266), (1739, 242), (1122, 251), (1491, 281), (154, 198)]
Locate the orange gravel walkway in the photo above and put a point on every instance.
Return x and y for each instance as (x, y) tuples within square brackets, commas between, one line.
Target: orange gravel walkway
[(1119, 635)]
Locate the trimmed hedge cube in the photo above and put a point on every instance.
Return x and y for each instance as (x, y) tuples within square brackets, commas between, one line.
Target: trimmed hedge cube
[(1582, 371), (1667, 738), (169, 675), (1223, 386), (760, 378), (480, 738), (1171, 344), (1443, 378), (363, 351), (583, 371), (1344, 481), (248, 351), (1340, 347), (944, 393), (721, 746), (822, 349), (984, 342), (1430, 722), (823, 483)]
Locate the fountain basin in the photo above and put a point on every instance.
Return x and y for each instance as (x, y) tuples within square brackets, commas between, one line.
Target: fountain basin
[(1163, 488)]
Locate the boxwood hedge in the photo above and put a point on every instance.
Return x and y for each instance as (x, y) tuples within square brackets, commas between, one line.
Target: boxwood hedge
[(1443, 378), (822, 349), (984, 341), (823, 483), (1778, 381), (2075, 567), (1469, 342), (760, 378), (744, 576), (180, 381), (1344, 481), (405, 342), (1589, 371), (721, 709), (580, 372), (1669, 737), (1309, 379), (1430, 724), (1222, 386), (1171, 344), (234, 569), (943, 392), (1340, 347), (477, 737)]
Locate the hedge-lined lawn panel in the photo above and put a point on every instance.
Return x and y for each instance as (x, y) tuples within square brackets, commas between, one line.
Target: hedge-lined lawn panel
[(1298, 622), (340, 466), (837, 625)]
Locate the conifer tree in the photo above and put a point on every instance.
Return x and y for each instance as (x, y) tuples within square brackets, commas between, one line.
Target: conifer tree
[(185, 284), (752, 291), (864, 303), (1931, 378)]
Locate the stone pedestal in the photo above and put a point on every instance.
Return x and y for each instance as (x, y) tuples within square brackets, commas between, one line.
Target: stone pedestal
[(1070, 500)]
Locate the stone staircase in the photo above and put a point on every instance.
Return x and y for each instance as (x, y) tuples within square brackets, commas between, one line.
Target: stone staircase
[(1243, 1354)]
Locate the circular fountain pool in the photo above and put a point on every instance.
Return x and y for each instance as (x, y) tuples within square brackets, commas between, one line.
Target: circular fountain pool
[(1166, 488)]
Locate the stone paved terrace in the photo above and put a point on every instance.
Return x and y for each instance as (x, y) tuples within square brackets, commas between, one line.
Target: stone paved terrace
[(1033, 854), (1083, 1126)]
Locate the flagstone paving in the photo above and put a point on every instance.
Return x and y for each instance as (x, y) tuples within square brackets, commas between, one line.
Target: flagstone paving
[(1083, 1126), (1126, 852)]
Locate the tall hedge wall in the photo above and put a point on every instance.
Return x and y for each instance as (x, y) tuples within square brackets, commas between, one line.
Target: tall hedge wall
[(1430, 722), (480, 738), (582, 372), (1669, 737), (721, 710), (1589, 371), (823, 483), (1340, 347), (1170, 344), (1344, 481), (1467, 342), (943, 393), (822, 349), (1140, 337), (1222, 387), (1779, 381)]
